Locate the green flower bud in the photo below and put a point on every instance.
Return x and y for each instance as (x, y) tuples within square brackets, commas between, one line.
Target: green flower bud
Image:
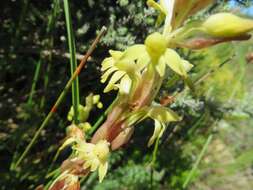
[(96, 99), (227, 25), (155, 45), (100, 105)]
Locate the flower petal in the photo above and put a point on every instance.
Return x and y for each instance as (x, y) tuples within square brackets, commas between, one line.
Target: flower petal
[(174, 61), (107, 74), (107, 63), (158, 128), (160, 67), (115, 77), (133, 52), (86, 164), (67, 142), (115, 54), (94, 164), (102, 171), (187, 66), (125, 85), (162, 114)]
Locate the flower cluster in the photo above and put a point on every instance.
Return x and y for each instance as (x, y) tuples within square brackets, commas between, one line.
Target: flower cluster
[(137, 73)]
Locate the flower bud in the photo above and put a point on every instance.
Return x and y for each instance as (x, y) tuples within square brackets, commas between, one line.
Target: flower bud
[(96, 98), (227, 25), (155, 45), (75, 132), (84, 126)]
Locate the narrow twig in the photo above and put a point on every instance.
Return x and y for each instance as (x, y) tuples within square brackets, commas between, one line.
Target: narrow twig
[(62, 95)]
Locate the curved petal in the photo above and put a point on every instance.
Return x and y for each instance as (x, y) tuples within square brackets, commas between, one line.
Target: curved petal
[(157, 130), (133, 52), (160, 66), (102, 171), (87, 164), (115, 54), (187, 66), (125, 85), (174, 61), (107, 74), (115, 77), (94, 164), (67, 142), (107, 63), (143, 61), (162, 114)]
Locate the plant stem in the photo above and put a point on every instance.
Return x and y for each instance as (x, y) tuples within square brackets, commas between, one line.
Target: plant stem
[(200, 156), (73, 63), (63, 94), (34, 82)]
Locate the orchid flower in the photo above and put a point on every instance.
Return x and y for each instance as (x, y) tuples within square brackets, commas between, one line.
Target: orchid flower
[(161, 116), (127, 66), (95, 156)]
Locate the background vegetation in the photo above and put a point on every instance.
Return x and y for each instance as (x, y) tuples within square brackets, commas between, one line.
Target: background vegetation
[(210, 149)]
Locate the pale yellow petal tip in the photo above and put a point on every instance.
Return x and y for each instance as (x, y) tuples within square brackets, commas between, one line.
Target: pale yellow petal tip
[(150, 142), (102, 171), (115, 54)]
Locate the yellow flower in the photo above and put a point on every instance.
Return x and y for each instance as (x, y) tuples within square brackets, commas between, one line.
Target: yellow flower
[(227, 25), (161, 115), (95, 156), (156, 46), (124, 68)]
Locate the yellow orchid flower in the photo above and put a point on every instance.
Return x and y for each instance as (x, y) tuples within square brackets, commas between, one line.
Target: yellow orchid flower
[(156, 45), (124, 68), (161, 115), (95, 156)]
